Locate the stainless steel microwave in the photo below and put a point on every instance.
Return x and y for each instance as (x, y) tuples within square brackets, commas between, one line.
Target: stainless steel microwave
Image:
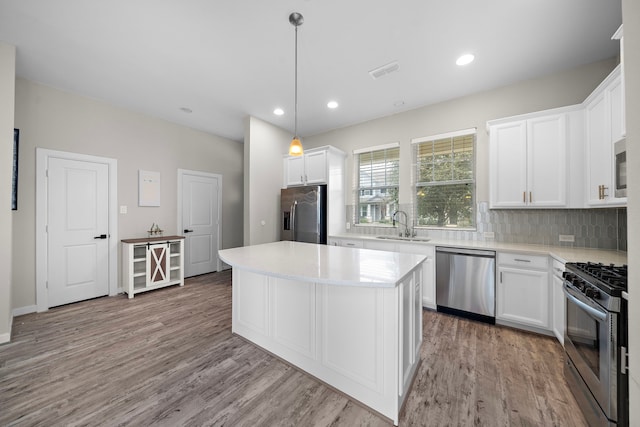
[(620, 149)]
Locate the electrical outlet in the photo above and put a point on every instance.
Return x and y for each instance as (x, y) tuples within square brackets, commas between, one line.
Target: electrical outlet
[(489, 235), (567, 238), (348, 226)]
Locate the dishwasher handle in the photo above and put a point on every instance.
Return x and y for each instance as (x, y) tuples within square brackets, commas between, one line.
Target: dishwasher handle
[(464, 251)]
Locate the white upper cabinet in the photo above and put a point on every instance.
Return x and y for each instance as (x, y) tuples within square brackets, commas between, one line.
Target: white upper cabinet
[(528, 159), (316, 167), (312, 167), (604, 125)]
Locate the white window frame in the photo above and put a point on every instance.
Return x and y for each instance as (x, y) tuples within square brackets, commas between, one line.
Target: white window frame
[(472, 181), (356, 173)]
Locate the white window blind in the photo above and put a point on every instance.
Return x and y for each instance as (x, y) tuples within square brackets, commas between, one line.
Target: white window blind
[(445, 180), (377, 190)]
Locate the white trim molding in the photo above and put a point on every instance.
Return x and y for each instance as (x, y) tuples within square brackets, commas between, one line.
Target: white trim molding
[(377, 147), (24, 310), (453, 134), (181, 173), (42, 161)]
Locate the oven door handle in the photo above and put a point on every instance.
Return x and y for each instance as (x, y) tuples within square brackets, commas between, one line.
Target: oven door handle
[(592, 311)]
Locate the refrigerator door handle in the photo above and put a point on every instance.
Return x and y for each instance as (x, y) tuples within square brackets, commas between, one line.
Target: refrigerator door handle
[(293, 218)]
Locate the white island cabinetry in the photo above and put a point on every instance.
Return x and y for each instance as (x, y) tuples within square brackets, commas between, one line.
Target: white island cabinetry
[(350, 317), (428, 267)]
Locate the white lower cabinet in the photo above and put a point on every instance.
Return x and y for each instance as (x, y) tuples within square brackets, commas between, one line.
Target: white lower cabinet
[(522, 294)]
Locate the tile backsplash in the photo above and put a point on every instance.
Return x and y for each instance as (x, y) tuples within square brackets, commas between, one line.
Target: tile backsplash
[(604, 228)]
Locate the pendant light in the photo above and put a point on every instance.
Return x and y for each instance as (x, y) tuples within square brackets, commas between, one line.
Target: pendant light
[(295, 148)]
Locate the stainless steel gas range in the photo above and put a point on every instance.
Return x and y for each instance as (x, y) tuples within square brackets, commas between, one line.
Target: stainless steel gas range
[(596, 341)]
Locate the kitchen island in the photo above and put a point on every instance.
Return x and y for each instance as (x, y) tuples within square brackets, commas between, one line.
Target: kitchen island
[(350, 317)]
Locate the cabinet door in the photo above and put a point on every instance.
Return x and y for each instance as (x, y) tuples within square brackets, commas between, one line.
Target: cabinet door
[(316, 167), (428, 284), (546, 161), (523, 296), (599, 151), (295, 170), (616, 99), (157, 264), (558, 308), (508, 164)]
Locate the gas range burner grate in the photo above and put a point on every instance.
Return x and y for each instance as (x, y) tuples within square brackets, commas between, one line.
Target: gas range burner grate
[(611, 275)]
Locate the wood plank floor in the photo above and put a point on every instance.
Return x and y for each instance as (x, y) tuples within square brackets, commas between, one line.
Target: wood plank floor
[(168, 358)]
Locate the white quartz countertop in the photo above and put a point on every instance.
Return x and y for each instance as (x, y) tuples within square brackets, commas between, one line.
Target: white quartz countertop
[(563, 254), (323, 263)]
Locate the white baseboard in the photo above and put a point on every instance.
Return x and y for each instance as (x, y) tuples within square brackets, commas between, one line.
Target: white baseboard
[(24, 310), (4, 338)]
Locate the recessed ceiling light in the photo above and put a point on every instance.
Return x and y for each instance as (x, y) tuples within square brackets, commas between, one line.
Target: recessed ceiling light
[(186, 110), (278, 112), (465, 59), (332, 104)]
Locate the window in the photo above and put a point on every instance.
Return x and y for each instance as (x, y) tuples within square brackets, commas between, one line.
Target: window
[(377, 189), (445, 180)]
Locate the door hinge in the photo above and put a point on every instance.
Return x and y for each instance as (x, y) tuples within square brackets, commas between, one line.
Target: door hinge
[(46, 284), (46, 173), (46, 228), (624, 362)]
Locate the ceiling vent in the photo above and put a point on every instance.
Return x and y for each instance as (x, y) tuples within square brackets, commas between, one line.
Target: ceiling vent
[(384, 70)]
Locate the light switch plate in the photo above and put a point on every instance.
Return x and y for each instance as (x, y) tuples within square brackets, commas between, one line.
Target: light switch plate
[(566, 238), (123, 209)]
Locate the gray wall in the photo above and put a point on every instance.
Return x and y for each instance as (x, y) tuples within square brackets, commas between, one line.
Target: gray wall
[(264, 148), (7, 90), (562, 89), (57, 120)]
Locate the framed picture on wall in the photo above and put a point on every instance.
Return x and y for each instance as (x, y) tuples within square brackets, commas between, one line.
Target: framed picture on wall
[(14, 175)]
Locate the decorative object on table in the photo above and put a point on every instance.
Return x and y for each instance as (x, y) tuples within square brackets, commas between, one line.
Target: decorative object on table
[(14, 175), (155, 231), (148, 188), (295, 149)]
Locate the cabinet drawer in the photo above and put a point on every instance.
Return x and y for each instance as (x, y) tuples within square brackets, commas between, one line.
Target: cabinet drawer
[(557, 268), (523, 260)]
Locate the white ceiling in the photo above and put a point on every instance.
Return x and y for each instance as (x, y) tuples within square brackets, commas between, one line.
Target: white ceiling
[(226, 59)]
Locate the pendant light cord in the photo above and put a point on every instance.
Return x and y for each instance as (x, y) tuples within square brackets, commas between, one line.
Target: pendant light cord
[(295, 112)]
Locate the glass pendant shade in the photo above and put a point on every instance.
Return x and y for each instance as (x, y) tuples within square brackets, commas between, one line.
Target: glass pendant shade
[(295, 149)]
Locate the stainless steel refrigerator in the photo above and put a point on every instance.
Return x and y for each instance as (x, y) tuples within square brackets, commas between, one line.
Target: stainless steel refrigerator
[(303, 214)]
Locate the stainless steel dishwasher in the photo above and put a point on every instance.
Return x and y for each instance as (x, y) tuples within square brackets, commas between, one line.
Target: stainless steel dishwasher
[(466, 283)]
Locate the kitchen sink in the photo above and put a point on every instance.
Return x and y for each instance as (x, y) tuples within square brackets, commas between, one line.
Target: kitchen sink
[(404, 239)]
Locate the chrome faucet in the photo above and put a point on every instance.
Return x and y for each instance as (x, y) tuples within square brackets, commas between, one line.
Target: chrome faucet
[(406, 233)]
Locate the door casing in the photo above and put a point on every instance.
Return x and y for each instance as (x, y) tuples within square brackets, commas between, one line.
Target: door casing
[(42, 160), (181, 173)]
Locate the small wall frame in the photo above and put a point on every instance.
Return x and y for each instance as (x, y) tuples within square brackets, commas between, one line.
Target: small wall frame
[(148, 188)]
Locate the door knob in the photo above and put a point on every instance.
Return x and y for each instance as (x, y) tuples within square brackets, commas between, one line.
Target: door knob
[(102, 236), (188, 231)]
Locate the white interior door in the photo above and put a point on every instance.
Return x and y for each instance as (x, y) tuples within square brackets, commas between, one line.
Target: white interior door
[(200, 193), (78, 230)]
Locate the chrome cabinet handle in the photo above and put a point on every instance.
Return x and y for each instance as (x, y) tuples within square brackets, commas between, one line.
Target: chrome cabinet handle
[(522, 260)]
